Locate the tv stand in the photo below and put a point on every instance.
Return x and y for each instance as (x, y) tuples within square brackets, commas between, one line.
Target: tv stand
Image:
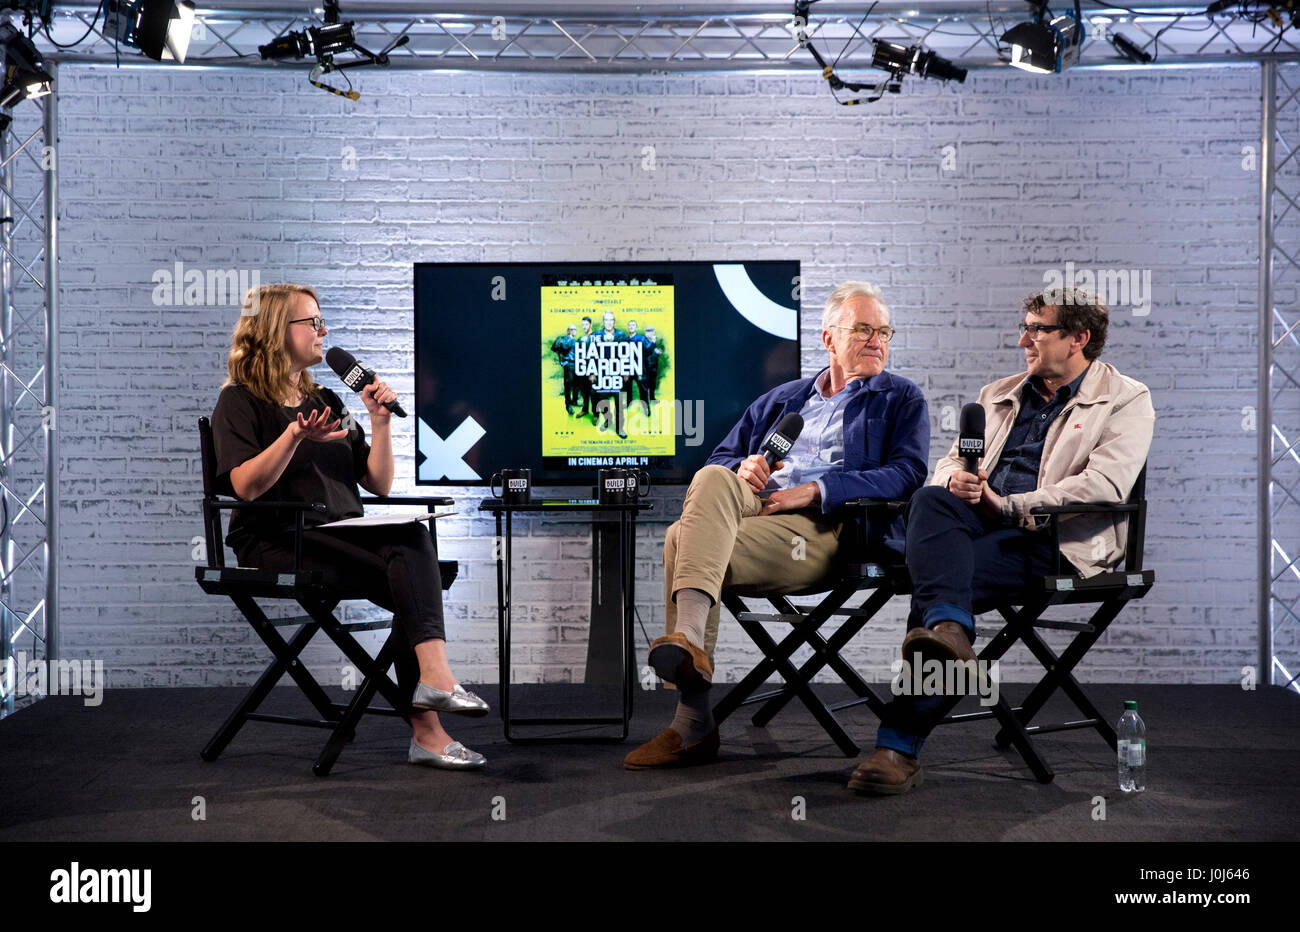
[(613, 568)]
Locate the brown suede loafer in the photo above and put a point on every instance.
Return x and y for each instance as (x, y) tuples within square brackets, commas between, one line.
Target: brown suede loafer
[(680, 662), (945, 641), (886, 773), (665, 750)]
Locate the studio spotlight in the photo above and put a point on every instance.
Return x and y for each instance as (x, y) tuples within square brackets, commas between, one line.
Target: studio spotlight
[(1046, 46), (1129, 49), (159, 28), (323, 42), (899, 61), (895, 60), (25, 76)]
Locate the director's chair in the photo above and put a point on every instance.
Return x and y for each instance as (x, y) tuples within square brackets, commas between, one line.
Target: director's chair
[(1110, 592), (244, 585), (864, 564), (871, 566)]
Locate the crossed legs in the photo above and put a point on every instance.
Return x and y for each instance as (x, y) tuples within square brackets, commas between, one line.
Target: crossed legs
[(961, 562), (720, 542)]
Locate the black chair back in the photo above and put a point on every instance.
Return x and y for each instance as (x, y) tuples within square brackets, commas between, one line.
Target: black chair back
[(1137, 524), (211, 516)]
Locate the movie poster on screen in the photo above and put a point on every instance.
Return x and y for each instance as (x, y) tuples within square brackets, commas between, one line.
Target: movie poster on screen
[(607, 373)]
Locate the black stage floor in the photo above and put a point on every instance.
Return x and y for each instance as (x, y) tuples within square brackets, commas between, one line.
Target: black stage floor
[(1223, 766)]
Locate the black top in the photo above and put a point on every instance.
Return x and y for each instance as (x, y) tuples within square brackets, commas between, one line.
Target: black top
[(244, 425), (1022, 455)]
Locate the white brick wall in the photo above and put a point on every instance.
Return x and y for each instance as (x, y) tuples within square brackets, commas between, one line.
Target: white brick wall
[(246, 169)]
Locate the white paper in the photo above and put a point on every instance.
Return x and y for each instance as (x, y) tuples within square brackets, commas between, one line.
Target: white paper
[(381, 520)]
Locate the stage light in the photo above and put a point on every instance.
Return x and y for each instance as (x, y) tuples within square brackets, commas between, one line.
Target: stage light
[(159, 28), (1046, 47), (1129, 49), (899, 61), (25, 76), (323, 43), (896, 60)]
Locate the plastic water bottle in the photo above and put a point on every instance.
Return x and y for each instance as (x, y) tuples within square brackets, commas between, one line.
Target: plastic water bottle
[(1131, 742)]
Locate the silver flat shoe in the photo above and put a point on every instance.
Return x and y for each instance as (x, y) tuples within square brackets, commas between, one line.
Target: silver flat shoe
[(460, 700), (454, 756)]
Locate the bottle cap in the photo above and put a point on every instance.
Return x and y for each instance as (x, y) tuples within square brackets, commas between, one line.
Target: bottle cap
[(1131, 704)]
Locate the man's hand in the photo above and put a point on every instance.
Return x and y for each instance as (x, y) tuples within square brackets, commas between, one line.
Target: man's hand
[(801, 496), (967, 486), (991, 501), (974, 490), (754, 470), (373, 397)]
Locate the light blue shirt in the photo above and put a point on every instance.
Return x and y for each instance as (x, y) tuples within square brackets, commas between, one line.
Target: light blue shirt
[(820, 447)]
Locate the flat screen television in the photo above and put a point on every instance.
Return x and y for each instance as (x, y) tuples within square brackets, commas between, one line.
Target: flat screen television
[(663, 357)]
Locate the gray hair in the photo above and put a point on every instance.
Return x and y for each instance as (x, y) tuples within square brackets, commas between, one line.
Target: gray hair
[(835, 303)]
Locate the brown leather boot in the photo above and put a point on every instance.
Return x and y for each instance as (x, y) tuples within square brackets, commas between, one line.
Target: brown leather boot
[(945, 641), (886, 773), (680, 662), (665, 750)]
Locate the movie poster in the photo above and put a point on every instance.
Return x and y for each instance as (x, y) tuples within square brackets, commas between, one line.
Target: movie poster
[(607, 373)]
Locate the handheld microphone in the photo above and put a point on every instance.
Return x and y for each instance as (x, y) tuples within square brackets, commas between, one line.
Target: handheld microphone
[(782, 438), (356, 376), (970, 440)]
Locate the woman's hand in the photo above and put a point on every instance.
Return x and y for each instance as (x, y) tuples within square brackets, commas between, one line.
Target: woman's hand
[(317, 427), (373, 397)]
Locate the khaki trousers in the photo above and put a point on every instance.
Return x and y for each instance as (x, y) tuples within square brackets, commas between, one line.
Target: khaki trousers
[(722, 542)]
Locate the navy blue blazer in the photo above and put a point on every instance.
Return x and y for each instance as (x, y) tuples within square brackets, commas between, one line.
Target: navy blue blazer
[(886, 440)]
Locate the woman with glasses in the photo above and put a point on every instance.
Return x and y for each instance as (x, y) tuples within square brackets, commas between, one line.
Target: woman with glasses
[(281, 436)]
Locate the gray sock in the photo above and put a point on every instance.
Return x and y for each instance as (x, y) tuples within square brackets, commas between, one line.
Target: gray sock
[(693, 614), (694, 718)]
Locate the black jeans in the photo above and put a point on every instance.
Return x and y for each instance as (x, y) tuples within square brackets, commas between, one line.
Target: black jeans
[(395, 566), (962, 562)]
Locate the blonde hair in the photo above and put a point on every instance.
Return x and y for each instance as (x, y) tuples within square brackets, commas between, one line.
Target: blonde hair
[(258, 360)]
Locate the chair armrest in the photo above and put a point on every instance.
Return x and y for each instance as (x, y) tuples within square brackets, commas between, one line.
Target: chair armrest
[(405, 500), (875, 504), (299, 509), (1054, 512), (1084, 508), (283, 506)]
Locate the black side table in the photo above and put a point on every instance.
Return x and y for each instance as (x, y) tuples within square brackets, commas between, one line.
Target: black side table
[(626, 554)]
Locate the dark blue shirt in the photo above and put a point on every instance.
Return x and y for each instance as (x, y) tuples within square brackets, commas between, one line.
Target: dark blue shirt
[(1017, 468)]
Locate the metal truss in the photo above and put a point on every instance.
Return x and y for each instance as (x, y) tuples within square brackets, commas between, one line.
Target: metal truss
[(1278, 417), (28, 379), (613, 42)]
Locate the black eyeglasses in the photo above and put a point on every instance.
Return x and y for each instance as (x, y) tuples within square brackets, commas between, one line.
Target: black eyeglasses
[(1037, 330), (317, 323)]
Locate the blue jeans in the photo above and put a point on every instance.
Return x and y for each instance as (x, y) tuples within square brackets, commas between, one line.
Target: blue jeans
[(961, 561)]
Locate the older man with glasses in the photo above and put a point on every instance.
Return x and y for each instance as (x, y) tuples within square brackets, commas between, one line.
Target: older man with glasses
[(1069, 429), (744, 526)]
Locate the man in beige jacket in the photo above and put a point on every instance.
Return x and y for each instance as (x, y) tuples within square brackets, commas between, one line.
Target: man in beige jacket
[(1070, 429)]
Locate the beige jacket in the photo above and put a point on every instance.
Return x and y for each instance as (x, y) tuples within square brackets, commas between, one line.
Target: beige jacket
[(1093, 453)]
